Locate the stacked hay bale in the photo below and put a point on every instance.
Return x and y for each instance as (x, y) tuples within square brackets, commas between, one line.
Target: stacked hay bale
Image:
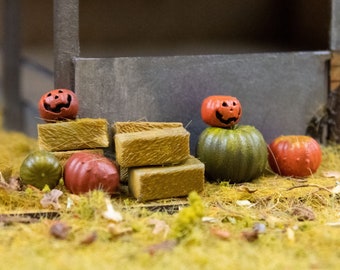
[(64, 138), (156, 157)]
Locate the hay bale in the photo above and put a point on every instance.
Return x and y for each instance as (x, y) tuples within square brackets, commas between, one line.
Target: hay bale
[(153, 147), (150, 183), (63, 156), (127, 127), (80, 134)]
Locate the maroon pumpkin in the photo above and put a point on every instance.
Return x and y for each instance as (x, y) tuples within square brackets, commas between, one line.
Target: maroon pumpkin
[(58, 105), (85, 171)]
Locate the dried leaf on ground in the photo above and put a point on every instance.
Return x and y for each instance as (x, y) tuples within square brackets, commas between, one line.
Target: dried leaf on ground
[(159, 226), (331, 174), (336, 189), (13, 183), (334, 223), (244, 203), (250, 236), (111, 213), (167, 245), (209, 220), (60, 230), (116, 230), (290, 234), (220, 233), (89, 239), (303, 213), (247, 189), (51, 199), (273, 221)]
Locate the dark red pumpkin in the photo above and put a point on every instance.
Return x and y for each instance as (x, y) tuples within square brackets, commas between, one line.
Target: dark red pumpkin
[(85, 171), (58, 105), (294, 155), (221, 111)]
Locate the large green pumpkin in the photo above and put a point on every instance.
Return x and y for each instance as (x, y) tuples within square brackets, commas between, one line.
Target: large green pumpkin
[(235, 155)]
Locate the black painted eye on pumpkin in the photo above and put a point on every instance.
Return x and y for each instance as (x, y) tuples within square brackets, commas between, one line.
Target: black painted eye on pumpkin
[(58, 105), (221, 111)]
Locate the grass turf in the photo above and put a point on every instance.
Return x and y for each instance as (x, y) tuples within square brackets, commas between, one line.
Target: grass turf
[(299, 221)]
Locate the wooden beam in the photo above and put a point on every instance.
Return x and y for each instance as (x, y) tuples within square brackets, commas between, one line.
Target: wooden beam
[(172, 88), (333, 106), (66, 41), (334, 71), (13, 106)]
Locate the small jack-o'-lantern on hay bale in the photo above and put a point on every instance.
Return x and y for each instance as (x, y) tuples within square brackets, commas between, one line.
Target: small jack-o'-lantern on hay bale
[(58, 105)]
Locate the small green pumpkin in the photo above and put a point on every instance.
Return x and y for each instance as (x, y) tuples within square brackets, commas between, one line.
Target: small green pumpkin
[(41, 168), (236, 155)]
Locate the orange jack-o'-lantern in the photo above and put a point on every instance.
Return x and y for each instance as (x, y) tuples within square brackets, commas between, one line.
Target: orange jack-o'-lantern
[(221, 111), (58, 105)]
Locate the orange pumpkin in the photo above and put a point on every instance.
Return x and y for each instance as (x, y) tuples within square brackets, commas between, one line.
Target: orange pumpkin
[(58, 104), (294, 155), (221, 111)]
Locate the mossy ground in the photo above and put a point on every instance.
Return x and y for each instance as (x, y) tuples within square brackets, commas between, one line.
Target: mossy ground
[(307, 238)]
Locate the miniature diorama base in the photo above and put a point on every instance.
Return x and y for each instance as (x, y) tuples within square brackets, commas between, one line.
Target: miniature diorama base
[(269, 223)]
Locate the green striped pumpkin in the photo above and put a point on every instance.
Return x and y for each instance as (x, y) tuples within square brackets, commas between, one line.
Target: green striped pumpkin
[(235, 155)]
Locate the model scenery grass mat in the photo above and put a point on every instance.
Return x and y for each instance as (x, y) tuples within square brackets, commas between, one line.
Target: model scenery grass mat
[(270, 223)]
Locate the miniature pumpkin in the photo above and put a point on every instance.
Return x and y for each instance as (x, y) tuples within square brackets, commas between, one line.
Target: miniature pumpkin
[(294, 155), (85, 171), (236, 155), (221, 111), (58, 105), (41, 168)]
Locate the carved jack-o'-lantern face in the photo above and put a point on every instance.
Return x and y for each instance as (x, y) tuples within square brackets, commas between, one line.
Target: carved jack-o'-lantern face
[(221, 111), (58, 104)]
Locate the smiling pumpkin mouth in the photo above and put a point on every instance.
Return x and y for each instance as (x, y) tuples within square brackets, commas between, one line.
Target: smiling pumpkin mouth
[(59, 107), (228, 121)]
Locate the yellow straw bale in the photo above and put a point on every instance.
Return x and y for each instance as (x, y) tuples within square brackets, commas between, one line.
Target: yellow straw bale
[(63, 156), (153, 147), (127, 127), (80, 134), (161, 182)]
